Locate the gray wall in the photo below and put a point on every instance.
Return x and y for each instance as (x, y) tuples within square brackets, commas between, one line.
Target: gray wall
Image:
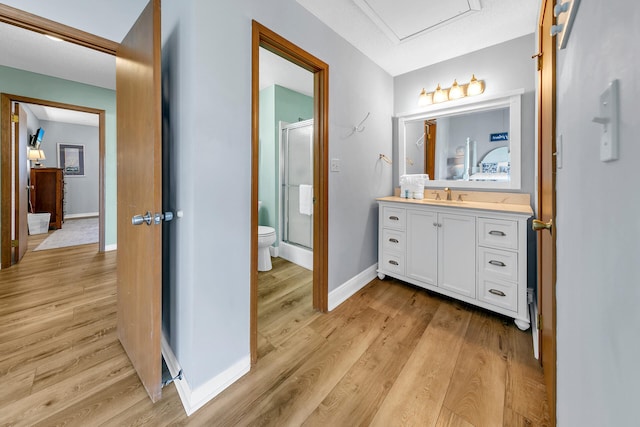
[(598, 230), (504, 67), (81, 192), (207, 73)]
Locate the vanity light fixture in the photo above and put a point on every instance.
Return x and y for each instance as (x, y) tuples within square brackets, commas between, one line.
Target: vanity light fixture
[(475, 86), (456, 91), (424, 98), (440, 95)]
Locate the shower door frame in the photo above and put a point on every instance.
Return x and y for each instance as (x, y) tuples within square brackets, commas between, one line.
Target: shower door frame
[(282, 197)]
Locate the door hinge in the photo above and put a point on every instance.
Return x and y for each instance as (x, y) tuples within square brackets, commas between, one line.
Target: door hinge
[(15, 118), (538, 57), (539, 322), (14, 243)]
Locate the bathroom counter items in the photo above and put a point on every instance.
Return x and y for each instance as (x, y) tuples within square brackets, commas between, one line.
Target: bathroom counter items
[(473, 251)]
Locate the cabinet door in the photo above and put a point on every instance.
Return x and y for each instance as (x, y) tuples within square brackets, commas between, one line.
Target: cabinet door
[(457, 254), (422, 243)]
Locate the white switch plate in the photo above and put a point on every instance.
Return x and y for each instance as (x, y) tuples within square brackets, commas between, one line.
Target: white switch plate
[(335, 165), (558, 152), (609, 112)]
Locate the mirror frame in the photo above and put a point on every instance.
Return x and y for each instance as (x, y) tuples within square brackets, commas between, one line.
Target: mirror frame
[(513, 100)]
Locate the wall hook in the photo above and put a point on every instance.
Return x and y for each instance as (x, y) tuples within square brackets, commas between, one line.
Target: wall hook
[(385, 158), (360, 128)]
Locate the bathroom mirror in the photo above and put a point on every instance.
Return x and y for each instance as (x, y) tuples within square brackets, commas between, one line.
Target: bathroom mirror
[(468, 143)]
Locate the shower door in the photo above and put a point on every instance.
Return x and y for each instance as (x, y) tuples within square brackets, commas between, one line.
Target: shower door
[(296, 170)]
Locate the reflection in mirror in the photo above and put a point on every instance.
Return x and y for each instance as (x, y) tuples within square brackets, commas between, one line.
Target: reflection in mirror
[(471, 145)]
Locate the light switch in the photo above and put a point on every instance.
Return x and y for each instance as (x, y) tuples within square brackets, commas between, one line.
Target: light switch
[(608, 119), (335, 165)]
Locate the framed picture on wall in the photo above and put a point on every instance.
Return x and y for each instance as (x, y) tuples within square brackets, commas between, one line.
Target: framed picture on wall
[(71, 159)]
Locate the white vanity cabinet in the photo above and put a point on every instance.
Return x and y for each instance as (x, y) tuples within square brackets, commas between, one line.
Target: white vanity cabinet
[(474, 255)]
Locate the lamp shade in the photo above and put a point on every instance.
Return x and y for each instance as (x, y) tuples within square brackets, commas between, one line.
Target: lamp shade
[(36, 155)]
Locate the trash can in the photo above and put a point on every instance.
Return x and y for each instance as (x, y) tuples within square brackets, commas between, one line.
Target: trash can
[(38, 223)]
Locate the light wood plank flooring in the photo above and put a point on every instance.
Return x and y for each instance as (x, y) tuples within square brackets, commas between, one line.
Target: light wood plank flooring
[(391, 355)]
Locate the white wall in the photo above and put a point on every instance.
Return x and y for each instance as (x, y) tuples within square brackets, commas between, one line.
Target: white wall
[(207, 75), (81, 192), (598, 227)]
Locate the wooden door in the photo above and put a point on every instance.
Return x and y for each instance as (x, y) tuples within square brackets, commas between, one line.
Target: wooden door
[(546, 203), (139, 256), (21, 183)]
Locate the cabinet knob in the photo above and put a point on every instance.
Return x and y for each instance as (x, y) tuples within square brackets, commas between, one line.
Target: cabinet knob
[(497, 233), (392, 262), (394, 218), (394, 240), (497, 263)]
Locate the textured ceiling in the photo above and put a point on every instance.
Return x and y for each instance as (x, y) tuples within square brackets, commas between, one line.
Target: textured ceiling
[(497, 21)]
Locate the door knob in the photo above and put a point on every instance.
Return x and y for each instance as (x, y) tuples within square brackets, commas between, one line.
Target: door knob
[(139, 219), (541, 225)]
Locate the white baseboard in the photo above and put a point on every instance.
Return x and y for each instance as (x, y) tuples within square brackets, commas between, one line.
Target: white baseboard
[(296, 255), (351, 286), (81, 215), (109, 248), (194, 399), (533, 309)]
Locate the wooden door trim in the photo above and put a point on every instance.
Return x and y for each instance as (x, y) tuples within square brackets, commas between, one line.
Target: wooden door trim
[(264, 37), (28, 21), (6, 164), (546, 144)]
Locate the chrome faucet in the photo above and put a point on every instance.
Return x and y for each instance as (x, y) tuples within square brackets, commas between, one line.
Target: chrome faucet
[(448, 191)]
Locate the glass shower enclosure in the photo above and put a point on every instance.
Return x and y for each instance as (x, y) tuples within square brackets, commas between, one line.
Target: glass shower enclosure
[(296, 177)]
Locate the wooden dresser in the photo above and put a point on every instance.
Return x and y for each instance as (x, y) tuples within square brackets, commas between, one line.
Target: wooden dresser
[(47, 190)]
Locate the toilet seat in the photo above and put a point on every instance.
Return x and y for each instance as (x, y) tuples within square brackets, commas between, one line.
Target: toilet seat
[(264, 231)]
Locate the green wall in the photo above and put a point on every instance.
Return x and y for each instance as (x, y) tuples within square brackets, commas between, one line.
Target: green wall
[(277, 104), (33, 85)]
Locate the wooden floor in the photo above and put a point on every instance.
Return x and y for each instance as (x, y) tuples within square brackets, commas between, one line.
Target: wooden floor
[(391, 355)]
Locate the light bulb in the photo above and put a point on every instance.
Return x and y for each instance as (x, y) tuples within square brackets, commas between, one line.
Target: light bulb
[(424, 98), (439, 95), (475, 86), (456, 91)]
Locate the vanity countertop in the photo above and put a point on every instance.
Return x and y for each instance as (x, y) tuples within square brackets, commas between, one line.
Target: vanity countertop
[(482, 205)]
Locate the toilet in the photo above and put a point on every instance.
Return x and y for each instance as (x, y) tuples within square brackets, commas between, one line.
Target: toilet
[(266, 238)]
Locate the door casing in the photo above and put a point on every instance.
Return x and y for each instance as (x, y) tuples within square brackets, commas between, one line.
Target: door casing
[(267, 39), (6, 167)]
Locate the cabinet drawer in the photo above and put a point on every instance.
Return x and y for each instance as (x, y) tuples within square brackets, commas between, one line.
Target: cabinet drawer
[(393, 241), (394, 218), (499, 293), (392, 263), (498, 233), (498, 263)]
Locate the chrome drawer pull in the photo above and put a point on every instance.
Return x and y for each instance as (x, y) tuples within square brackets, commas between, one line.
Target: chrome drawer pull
[(392, 262), (394, 240), (497, 292), (497, 263), (394, 218), (497, 233)]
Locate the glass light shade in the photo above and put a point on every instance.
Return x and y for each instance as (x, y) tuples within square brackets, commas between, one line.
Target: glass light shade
[(456, 91), (424, 98), (439, 95), (475, 86)]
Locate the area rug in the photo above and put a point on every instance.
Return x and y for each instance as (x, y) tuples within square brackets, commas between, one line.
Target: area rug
[(74, 232)]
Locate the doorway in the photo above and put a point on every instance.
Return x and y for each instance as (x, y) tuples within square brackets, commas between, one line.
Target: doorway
[(267, 39), (9, 164)]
